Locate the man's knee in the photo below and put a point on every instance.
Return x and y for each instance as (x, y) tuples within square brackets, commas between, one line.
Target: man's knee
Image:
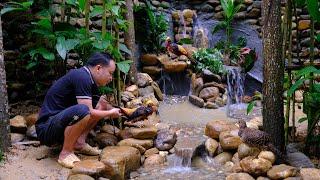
[(81, 111)]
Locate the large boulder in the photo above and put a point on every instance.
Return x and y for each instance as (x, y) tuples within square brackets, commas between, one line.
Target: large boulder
[(267, 155), (222, 158), (107, 128), (143, 79), (229, 140), (244, 151), (146, 91), (165, 140), (157, 91), (196, 101), (174, 66), (208, 76), (119, 160), (144, 133), (239, 176), (149, 59), (153, 161), (133, 89), (152, 70), (150, 152), (146, 143), (282, 171), (80, 177), (215, 127), (106, 139), (255, 166), (211, 146), (209, 92), (127, 96), (18, 124), (299, 160), (89, 167), (310, 173), (217, 85)]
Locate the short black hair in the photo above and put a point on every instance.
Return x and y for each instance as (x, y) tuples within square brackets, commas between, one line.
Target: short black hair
[(99, 58)]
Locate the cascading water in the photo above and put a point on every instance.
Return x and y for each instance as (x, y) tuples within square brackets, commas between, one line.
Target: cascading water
[(235, 91), (182, 22), (180, 161)]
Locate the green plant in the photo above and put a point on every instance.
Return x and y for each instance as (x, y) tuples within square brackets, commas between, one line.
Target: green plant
[(150, 29), (257, 96), (230, 8), (210, 59), (16, 6)]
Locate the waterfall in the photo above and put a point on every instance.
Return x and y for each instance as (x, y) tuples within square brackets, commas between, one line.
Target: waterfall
[(235, 91)]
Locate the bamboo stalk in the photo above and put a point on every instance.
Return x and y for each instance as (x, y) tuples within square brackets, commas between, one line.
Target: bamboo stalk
[(118, 74), (104, 19), (86, 14)]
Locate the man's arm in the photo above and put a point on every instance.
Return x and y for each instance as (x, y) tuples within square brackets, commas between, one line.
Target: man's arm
[(99, 114)]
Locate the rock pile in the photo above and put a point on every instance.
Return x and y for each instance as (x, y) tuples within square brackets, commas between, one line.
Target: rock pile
[(208, 90), (242, 161)]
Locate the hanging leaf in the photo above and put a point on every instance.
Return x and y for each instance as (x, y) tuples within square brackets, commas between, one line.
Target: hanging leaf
[(301, 120), (306, 71), (313, 8), (46, 54), (124, 48), (82, 4), (115, 10), (97, 10), (45, 24), (64, 46), (101, 45), (124, 66), (250, 107), (318, 37), (295, 86), (31, 65)]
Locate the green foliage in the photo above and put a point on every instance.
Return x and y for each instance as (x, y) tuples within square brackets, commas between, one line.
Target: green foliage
[(16, 6), (150, 29), (257, 96), (210, 59), (1, 156), (185, 41)]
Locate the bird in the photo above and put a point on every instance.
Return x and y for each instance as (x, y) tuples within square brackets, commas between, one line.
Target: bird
[(137, 114), (257, 138), (175, 48)]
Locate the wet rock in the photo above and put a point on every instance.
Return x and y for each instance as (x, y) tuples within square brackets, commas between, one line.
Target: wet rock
[(190, 50), (152, 70), (18, 125), (196, 101), (174, 66), (282, 171), (223, 158), (161, 126), (197, 85), (211, 105), (220, 102), (267, 155), (149, 59), (110, 129), (165, 140), (310, 173), (144, 133), (235, 158), (263, 178), (155, 3), (188, 13), (106, 139), (256, 121), (125, 133), (150, 99), (145, 91), (153, 161), (133, 89), (165, 4), (88, 167), (209, 92), (143, 79), (127, 96), (163, 153), (82, 22), (31, 132), (213, 128), (119, 160), (208, 76), (254, 166), (228, 167), (219, 15), (244, 150), (15, 137), (157, 91), (183, 58), (31, 119), (134, 103), (147, 144), (215, 84), (134, 174), (80, 177), (240, 15), (299, 160), (239, 176), (151, 151), (229, 140), (255, 12)]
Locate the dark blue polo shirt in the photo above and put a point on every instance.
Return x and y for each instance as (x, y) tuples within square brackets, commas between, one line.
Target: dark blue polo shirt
[(76, 84)]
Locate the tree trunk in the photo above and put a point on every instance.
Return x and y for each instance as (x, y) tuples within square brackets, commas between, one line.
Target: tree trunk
[(129, 40), (273, 72), (4, 128)]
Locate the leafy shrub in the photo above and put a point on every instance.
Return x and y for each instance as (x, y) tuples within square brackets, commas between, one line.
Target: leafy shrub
[(151, 29), (210, 59)]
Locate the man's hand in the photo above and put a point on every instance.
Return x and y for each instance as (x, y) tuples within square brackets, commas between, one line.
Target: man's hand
[(115, 113)]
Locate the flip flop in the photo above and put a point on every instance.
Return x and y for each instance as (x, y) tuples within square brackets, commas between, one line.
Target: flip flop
[(69, 161), (89, 150)]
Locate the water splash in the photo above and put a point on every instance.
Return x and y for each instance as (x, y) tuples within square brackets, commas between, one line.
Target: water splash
[(235, 91), (180, 161), (182, 22)]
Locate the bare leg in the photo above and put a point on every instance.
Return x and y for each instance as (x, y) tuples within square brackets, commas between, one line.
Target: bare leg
[(71, 135)]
